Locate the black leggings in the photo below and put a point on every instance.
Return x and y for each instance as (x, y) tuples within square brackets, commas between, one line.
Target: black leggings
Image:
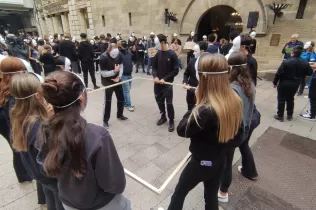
[(191, 100), (52, 198), (88, 67), (286, 93), (191, 176)]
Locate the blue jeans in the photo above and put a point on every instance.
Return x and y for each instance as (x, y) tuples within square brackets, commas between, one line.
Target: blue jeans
[(126, 90), (148, 65)]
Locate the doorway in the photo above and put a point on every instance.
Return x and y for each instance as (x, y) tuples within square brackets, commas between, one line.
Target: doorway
[(221, 19)]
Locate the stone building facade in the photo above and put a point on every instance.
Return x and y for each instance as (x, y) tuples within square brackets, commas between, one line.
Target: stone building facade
[(96, 17)]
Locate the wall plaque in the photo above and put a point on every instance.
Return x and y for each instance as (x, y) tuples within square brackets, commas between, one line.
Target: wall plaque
[(275, 39)]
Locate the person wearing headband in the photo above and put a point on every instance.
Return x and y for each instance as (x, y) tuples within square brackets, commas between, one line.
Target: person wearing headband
[(306, 55), (241, 83), (90, 173), (287, 80), (211, 127), (189, 77), (26, 117), (165, 68), (9, 67)]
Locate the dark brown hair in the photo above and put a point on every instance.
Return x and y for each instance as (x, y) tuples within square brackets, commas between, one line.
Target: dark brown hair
[(10, 64), (240, 74), (62, 135)]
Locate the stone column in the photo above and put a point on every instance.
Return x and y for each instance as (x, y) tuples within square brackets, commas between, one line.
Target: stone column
[(50, 25), (55, 24), (64, 22), (82, 22), (73, 18), (90, 31)]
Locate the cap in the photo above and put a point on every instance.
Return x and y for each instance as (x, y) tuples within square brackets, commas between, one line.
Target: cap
[(204, 37), (175, 34), (307, 45), (152, 33)]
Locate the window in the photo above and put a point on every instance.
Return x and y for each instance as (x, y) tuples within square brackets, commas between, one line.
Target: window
[(130, 18), (103, 21), (85, 16), (301, 9)]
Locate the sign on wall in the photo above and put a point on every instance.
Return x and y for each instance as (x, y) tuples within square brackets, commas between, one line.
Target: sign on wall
[(12, 2)]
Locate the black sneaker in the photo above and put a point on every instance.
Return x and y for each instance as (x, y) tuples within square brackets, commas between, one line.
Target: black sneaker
[(96, 87), (277, 117), (106, 125), (148, 73), (122, 118), (162, 120), (171, 127), (289, 117)]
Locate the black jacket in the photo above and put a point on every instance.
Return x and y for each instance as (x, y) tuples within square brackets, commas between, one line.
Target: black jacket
[(107, 63), (126, 56), (253, 67), (68, 49), (103, 47), (204, 143), (5, 118), (140, 51), (226, 48), (48, 63), (29, 158), (292, 70), (85, 51), (104, 176), (165, 65), (189, 76)]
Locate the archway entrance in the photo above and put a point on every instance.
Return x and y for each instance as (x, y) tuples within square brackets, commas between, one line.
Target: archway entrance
[(220, 19)]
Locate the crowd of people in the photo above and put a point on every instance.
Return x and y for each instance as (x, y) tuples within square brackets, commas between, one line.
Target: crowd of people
[(75, 163)]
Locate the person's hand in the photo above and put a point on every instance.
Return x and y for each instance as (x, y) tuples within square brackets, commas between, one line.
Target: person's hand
[(117, 79), (162, 81), (185, 86), (117, 68), (156, 80)]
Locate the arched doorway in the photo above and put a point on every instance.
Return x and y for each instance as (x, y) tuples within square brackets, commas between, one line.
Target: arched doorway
[(221, 19)]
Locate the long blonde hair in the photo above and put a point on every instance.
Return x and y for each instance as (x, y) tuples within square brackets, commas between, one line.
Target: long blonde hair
[(215, 93), (25, 111)]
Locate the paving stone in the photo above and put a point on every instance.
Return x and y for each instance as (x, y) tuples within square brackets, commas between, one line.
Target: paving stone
[(28, 202), (8, 180), (149, 154), (149, 172), (15, 192)]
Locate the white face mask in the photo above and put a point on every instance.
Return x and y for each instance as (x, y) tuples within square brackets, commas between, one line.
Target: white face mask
[(131, 39), (157, 43), (192, 33), (114, 52)]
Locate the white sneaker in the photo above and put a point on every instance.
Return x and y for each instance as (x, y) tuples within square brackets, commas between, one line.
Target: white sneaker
[(307, 116), (306, 87), (131, 108), (239, 168), (223, 199), (160, 208)]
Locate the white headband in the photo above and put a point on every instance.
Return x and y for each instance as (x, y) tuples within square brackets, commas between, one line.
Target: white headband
[(61, 107), (12, 72), (244, 64), (25, 97), (219, 72)]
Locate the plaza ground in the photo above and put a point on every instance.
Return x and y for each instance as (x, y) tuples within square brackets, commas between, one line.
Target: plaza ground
[(148, 151)]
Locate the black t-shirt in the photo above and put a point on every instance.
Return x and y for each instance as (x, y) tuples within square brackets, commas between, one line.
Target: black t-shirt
[(165, 65)]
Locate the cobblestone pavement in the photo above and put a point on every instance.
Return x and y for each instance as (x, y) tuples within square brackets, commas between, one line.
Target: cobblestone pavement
[(146, 150)]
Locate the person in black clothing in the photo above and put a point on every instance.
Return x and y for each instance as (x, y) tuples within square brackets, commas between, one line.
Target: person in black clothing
[(97, 53), (253, 45), (212, 48), (30, 110), (104, 43), (91, 175), (9, 67), (287, 81), (165, 68), (86, 55), (227, 47), (68, 49), (191, 38), (210, 134), (111, 72), (47, 59), (189, 77), (140, 55)]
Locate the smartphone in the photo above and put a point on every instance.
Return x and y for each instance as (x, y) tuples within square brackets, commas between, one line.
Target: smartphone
[(206, 163)]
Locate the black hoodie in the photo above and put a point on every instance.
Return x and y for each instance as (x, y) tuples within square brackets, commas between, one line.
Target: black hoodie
[(126, 56), (85, 51)]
